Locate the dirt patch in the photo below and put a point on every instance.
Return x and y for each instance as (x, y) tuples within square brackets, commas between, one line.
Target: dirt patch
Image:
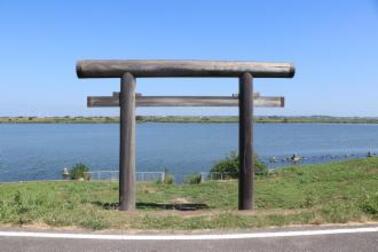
[(180, 201)]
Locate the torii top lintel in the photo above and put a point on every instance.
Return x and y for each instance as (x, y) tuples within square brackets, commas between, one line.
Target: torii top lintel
[(182, 68)]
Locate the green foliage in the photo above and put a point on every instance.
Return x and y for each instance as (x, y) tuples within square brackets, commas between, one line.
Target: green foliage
[(370, 204), (168, 178), (310, 199), (94, 223), (314, 194), (193, 179), (230, 166), (79, 171)]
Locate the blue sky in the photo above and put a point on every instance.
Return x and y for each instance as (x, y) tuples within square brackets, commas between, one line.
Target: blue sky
[(333, 44)]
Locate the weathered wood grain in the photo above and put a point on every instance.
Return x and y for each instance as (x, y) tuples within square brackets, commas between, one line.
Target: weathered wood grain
[(116, 94), (233, 95), (185, 101), (127, 143), (181, 68)]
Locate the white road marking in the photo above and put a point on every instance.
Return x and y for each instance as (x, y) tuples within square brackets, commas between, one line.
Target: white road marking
[(189, 237)]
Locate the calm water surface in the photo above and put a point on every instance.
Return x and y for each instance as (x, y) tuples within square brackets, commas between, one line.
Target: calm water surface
[(40, 151)]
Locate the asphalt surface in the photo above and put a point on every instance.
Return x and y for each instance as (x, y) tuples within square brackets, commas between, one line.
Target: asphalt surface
[(330, 242)]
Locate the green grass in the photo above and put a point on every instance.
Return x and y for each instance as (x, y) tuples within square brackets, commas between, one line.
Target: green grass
[(329, 193), (189, 119)]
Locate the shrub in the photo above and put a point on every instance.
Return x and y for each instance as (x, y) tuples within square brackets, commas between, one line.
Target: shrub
[(230, 166), (193, 179), (168, 178), (79, 171), (369, 204)]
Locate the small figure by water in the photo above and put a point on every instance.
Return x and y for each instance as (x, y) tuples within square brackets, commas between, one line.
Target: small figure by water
[(273, 159), (295, 158), (65, 173)]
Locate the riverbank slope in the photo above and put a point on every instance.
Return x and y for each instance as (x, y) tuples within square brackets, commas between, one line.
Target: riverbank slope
[(338, 192)]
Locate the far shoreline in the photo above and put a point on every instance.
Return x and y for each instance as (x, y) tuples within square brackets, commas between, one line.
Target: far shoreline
[(186, 119)]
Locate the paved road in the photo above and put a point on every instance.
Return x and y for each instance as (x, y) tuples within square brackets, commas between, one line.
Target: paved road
[(367, 241)]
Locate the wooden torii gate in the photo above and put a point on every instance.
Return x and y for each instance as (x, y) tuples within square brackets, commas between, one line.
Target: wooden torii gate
[(127, 100)]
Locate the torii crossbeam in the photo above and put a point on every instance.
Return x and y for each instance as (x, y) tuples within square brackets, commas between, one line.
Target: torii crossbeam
[(127, 100), (185, 101)]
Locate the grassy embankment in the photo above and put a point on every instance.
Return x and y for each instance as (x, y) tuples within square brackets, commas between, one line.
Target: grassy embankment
[(190, 119), (329, 193)]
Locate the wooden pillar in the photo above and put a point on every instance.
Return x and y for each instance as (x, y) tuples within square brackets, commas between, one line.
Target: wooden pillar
[(246, 174), (127, 143)]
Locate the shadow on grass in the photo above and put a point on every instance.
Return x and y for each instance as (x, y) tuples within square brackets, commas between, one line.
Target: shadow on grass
[(156, 206)]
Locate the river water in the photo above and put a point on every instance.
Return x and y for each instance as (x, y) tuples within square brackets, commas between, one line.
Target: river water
[(40, 151)]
